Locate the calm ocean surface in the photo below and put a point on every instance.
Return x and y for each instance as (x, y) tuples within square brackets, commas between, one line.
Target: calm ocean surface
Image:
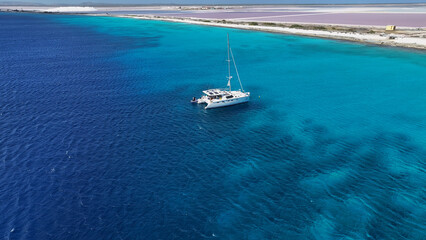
[(98, 139)]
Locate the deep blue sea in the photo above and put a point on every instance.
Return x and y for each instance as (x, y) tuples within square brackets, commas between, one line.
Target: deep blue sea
[(98, 139)]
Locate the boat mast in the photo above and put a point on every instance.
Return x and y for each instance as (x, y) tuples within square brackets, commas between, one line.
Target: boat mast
[(236, 70), (229, 67)]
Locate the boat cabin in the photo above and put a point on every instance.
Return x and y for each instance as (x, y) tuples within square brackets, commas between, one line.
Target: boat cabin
[(217, 94)]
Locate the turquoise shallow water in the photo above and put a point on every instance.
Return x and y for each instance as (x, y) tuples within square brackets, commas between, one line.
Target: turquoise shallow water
[(331, 146)]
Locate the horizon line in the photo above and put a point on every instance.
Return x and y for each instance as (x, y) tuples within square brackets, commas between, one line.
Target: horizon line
[(7, 3)]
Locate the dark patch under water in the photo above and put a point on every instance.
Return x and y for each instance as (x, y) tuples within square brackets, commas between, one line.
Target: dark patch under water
[(98, 140)]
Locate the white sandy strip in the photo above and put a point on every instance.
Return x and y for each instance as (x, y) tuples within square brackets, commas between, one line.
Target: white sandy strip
[(400, 40), (411, 40)]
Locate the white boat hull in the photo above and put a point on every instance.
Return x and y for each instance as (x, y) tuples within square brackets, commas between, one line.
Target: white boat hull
[(227, 102)]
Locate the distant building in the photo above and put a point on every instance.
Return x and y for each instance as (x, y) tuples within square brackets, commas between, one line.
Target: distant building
[(390, 28)]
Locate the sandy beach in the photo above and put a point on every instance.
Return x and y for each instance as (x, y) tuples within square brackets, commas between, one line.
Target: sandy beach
[(359, 23)]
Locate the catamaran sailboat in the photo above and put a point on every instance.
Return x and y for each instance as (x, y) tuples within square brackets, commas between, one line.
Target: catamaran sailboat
[(217, 97)]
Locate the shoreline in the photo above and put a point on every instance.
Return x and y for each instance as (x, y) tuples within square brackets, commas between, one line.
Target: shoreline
[(396, 39)]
